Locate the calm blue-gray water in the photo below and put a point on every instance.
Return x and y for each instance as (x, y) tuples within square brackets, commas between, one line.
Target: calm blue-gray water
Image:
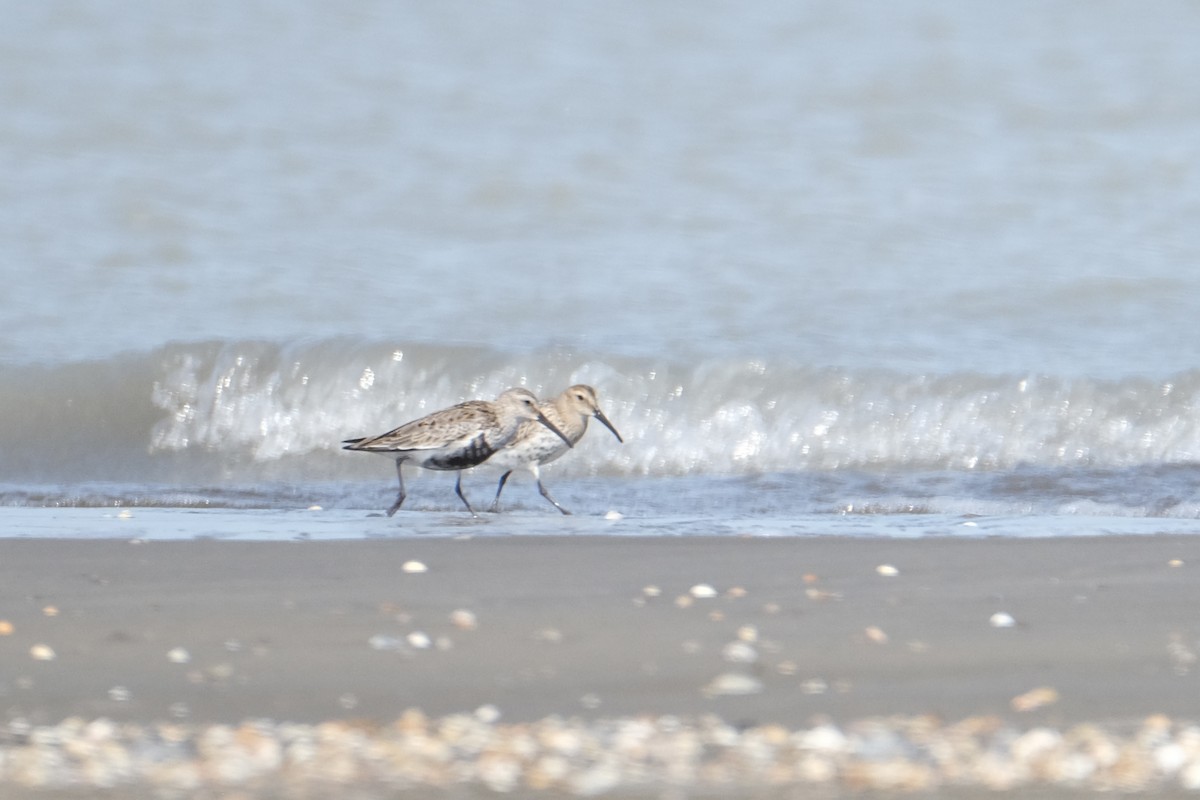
[(887, 269)]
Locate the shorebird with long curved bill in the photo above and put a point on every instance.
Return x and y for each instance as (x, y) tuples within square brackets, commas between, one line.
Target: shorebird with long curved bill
[(458, 437), (534, 445)]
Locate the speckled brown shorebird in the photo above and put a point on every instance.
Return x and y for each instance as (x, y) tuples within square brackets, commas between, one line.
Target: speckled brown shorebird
[(458, 437), (534, 445)]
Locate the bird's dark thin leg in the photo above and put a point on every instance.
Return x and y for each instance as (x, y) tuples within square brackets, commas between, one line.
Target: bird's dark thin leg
[(499, 489), (546, 494), (400, 496), (461, 496)]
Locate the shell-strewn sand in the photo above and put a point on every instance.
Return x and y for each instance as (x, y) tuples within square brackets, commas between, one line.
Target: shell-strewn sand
[(581, 665)]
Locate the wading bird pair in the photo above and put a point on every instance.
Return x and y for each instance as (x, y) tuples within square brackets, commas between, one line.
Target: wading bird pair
[(514, 430)]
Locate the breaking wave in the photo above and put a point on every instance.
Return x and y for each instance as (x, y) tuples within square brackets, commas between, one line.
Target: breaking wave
[(253, 408)]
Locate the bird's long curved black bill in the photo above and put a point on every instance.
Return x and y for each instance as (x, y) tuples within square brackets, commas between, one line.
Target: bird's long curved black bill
[(600, 416), (542, 419)]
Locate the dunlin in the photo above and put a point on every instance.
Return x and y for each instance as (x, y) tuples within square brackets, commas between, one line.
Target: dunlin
[(534, 445), (458, 437)]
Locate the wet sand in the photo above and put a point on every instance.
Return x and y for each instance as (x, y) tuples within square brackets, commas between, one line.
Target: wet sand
[(787, 632)]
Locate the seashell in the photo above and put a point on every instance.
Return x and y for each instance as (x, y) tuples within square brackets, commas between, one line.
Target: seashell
[(827, 738), (1001, 620), (487, 714), (876, 635), (42, 652), (702, 591), (887, 570), (464, 619), (1035, 698), (739, 653), (413, 567), (733, 683), (1035, 743), (382, 641)]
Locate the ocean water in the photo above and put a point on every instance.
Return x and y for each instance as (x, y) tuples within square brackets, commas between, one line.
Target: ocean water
[(911, 268)]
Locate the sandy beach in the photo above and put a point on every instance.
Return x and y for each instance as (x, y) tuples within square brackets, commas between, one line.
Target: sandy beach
[(769, 634)]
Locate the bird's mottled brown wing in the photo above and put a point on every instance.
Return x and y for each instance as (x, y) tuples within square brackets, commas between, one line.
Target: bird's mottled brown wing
[(431, 432)]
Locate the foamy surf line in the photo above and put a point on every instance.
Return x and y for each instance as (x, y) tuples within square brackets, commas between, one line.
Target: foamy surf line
[(252, 525)]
